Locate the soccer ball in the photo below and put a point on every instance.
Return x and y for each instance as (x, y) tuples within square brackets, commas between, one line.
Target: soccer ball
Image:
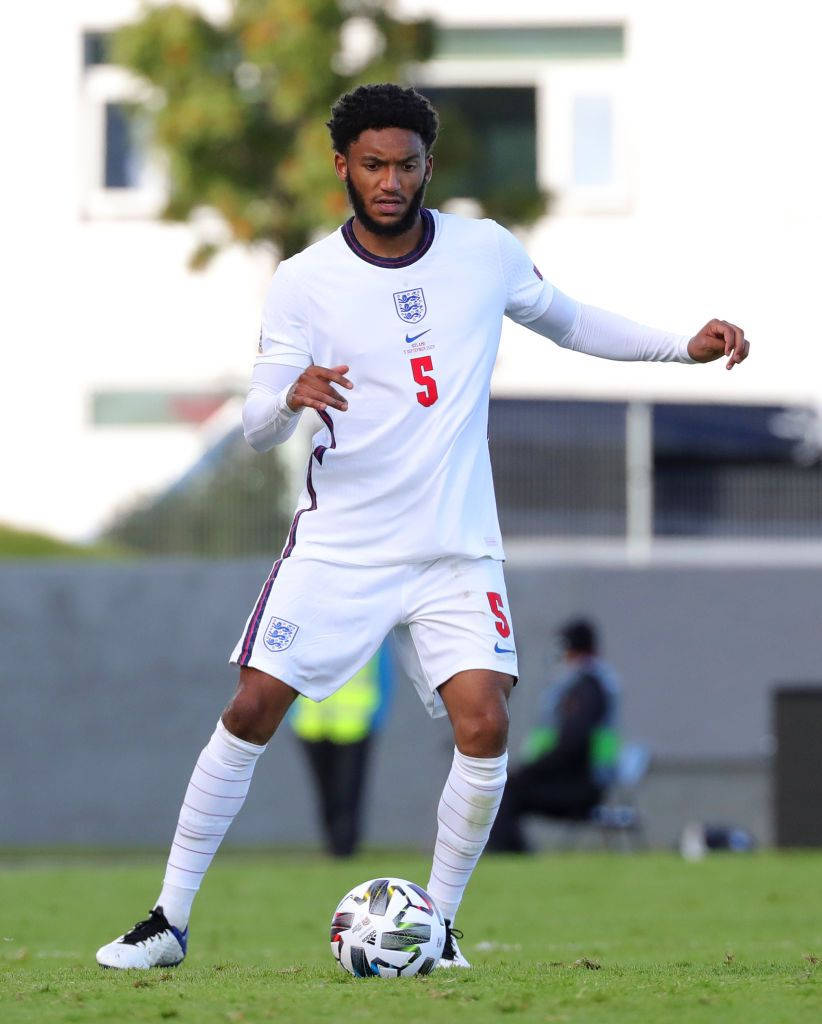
[(387, 927)]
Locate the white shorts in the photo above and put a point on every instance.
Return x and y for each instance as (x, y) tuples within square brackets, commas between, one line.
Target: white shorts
[(315, 624)]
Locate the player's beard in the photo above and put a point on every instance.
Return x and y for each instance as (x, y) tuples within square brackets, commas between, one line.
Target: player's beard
[(405, 223)]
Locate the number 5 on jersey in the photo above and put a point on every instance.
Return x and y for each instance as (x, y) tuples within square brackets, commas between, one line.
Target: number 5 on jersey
[(420, 368)]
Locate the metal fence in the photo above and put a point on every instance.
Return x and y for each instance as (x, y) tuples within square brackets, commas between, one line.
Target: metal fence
[(562, 469), (644, 471)]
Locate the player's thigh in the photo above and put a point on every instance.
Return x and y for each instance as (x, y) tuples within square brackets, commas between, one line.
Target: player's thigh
[(457, 620), (315, 624)]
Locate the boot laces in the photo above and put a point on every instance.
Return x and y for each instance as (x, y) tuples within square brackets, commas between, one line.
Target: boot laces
[(154, 924)]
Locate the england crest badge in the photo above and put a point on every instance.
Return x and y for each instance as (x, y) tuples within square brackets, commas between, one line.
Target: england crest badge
[(279, 634), (410, 305)]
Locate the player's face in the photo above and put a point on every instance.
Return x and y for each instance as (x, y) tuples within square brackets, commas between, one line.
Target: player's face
[(385, 171)]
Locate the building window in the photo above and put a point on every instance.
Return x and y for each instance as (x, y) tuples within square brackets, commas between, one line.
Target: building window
[(488, 140), (566, 84), (584, 128), (121, 178), (95, 49), (124, 156), (593, 140)]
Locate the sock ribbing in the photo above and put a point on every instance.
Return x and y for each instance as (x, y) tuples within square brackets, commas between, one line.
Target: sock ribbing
[(215, 793), (466, 812)]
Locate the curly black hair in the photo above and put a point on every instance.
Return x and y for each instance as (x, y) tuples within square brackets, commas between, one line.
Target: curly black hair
[(381, 106)]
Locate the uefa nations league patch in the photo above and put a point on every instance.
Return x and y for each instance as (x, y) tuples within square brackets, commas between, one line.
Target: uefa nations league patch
[(279, 634)]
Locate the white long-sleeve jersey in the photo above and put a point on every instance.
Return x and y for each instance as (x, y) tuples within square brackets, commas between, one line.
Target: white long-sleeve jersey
[(404, 474)]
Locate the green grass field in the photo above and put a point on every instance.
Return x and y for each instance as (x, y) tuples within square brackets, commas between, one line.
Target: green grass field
[(564, 938)]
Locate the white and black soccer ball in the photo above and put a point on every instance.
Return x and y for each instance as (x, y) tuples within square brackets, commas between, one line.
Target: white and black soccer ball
[(387, 927)]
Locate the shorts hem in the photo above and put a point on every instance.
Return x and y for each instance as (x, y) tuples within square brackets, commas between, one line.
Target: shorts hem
[(261, 665), (477, 664)]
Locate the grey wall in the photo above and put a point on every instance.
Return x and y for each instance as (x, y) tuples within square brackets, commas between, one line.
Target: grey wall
[(113, 676), (698, 649)]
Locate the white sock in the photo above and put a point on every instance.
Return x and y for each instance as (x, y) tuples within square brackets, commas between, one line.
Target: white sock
[(215, 794), (466, 812)]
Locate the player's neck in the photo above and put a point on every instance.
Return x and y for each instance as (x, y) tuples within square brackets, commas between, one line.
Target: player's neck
[(389, 246)]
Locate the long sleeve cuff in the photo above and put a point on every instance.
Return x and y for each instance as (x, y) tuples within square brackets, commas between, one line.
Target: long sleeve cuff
[(267, 418)]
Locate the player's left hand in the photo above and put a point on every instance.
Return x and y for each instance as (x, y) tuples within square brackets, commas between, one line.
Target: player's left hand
[(719, 338)]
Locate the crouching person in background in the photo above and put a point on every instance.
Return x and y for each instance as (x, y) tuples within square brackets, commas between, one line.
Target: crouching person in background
[(571, 754)]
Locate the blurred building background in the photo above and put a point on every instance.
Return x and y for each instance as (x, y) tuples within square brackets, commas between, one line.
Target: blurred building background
[(682, 186), (678, 148)]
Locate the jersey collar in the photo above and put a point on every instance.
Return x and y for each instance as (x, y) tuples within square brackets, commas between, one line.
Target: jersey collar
[(392, 262)]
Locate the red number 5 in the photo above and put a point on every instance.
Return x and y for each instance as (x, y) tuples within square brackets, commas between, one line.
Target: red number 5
[(419, 367), (495, 600)]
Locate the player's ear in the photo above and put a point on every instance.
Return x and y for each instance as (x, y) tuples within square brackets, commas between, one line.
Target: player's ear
[(429, 168), (341, 166)]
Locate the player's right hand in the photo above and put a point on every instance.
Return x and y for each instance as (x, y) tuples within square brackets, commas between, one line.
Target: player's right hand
[(313, 390)]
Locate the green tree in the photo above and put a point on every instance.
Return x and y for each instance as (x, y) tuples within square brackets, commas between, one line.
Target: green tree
[(239, 107)]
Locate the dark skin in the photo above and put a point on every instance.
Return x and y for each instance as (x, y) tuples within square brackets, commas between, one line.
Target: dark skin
[(387, 166), (476, 701)]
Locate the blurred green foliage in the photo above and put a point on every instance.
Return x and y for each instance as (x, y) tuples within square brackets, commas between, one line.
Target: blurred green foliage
[(234, 502), (239, 108), (15, 543)]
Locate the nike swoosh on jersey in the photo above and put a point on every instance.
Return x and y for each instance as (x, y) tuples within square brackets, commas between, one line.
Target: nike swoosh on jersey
[(503, 650), (409, 340)]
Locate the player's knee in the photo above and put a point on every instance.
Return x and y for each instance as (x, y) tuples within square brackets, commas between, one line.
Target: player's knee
[(484, 734), (245, 717), (255, 711)]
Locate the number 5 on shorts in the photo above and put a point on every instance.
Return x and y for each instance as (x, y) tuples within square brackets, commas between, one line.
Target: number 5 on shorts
[(495, 600)]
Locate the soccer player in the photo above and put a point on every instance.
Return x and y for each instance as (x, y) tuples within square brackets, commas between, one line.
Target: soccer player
[(388, 329)]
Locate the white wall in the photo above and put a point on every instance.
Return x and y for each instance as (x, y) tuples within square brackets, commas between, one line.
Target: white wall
[(721, 217), (95, 302), (723, 201), (725, 204)]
